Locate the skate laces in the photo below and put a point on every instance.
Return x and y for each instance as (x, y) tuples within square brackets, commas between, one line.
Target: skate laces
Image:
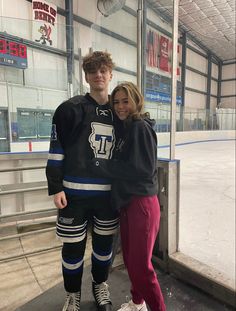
[(67, 302), (101, 293), (72, 302)]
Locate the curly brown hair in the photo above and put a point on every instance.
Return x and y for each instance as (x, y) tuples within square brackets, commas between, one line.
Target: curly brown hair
[(95, 60)]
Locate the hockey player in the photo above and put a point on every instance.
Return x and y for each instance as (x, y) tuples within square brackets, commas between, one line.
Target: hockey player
[(83, 129)]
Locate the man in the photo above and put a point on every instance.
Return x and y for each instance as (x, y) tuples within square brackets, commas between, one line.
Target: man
[(83, 129)]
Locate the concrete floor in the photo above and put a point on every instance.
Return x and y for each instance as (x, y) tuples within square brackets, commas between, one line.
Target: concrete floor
[(24, 278), (178, 296), (34, 283)]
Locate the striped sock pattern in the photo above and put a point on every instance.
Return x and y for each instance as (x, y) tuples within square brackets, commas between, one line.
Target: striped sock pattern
[(102, 258), (72, 265), (70, 233), (105, 227)]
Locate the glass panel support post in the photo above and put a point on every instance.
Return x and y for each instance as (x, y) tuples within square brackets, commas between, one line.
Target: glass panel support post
[(174, 77)]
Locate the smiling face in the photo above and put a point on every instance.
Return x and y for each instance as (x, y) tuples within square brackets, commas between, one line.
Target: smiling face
[(122, 104), (127, 101), (99, 79)]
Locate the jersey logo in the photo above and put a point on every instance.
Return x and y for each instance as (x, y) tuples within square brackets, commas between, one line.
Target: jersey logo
[(54, 132), (102, 140), (104, 113)]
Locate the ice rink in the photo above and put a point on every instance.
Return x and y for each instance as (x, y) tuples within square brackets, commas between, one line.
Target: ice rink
[(207, 203)]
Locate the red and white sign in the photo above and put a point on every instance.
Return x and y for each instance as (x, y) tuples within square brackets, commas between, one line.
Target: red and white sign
[(44, 23), (159, 52), (152, 48), (164, 53)]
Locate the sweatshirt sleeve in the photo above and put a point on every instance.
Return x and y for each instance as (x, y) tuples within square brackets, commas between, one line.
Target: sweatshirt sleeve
[(141, 157), (66, 117)]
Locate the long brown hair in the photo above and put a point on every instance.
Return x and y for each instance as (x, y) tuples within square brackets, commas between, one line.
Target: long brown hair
[(134, 96)]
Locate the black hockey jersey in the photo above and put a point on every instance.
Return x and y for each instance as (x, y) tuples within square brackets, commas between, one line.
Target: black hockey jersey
[(81, 130)]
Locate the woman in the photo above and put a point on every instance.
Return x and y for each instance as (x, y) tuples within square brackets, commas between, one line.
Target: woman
[(134, 193)]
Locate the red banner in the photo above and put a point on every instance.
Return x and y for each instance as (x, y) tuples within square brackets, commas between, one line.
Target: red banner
[(152, 48), (164, 51), (159, 52)]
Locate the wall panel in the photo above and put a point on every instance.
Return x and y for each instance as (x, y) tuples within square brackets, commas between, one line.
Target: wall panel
[(196, 61), (3, 92), (229, 71), (196, 81), (194, 101), (228, 88)]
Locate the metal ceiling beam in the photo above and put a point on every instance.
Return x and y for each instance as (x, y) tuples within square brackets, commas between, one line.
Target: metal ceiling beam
[(182, 29)]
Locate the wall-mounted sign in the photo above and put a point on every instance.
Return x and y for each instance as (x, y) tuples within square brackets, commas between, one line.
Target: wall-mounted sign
[(158, 89), (13, 54), (153, 96), (159, 52), (44, 23)]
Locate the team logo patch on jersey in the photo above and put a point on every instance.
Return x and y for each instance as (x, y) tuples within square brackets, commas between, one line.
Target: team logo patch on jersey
[(54, 132), (104, 112), (102, 140)]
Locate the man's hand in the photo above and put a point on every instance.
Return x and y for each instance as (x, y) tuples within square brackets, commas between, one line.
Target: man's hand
[(60, 200)]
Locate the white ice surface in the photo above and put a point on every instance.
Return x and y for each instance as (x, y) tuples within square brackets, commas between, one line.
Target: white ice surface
[(207, 203)]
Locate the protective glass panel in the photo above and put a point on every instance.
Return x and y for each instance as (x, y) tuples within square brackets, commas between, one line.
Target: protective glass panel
[(116, 34), (158, 73), (44, 123), (205, 146), (33, 82), (26, 124)]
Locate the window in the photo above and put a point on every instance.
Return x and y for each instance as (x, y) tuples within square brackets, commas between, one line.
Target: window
[(34, 124)]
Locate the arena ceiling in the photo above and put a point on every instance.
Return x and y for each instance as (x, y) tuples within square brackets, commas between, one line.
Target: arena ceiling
[(210, 22)]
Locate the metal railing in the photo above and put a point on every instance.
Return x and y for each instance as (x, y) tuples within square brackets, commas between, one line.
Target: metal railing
[(160, 252), (194, 120), (17, 164)]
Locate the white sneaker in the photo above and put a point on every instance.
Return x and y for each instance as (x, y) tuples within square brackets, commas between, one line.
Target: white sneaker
[(131, 306), (72, 302)]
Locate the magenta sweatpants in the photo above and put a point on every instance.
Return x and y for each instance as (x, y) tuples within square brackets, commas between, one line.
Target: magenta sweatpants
[(139, 225)]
